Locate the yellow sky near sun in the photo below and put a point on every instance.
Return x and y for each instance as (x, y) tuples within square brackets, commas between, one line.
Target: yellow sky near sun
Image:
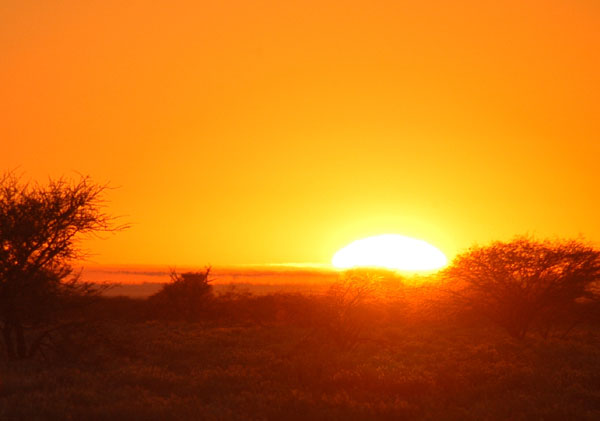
[(256, 132)]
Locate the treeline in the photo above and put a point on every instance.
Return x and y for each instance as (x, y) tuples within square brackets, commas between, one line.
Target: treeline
[(521, 296), (359, 299), (524, 286)]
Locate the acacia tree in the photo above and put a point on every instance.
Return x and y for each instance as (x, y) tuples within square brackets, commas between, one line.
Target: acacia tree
[(40, 229), (524, 283)]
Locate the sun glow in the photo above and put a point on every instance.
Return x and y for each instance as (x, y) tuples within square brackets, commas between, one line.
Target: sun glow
[(390, 251)]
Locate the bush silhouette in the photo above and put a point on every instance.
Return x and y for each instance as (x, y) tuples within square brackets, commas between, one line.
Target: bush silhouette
[(348, 311), (186, 297), (525, 284)]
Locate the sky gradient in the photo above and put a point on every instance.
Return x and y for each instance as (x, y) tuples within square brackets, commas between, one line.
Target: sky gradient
[(261, 132)]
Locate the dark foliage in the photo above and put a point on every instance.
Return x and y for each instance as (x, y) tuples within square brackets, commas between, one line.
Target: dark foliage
[(193, 371), (349, 312), (526, 284), (270, 309), (187, 297), (39, 231)]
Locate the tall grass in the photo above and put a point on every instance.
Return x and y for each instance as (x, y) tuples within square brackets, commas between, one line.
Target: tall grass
[(381, 350)]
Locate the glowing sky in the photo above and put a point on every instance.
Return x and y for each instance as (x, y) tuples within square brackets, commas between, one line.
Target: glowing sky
[(276, 131)]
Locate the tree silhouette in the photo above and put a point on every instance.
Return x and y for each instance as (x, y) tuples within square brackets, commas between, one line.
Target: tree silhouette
[(40, 226), (525, 283)]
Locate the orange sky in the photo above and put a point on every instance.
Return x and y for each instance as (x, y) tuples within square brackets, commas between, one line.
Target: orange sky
[(253, 132)]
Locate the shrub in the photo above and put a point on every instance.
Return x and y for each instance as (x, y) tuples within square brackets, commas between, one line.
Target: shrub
[(349, 311), (186, 297)]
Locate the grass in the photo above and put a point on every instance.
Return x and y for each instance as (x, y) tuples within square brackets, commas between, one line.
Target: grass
[(231, 371)]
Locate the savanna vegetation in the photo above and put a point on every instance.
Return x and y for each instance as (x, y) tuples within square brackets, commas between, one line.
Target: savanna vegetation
[(507, 331)]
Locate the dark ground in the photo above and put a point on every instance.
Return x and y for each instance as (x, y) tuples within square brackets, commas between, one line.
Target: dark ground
[(158, 370)]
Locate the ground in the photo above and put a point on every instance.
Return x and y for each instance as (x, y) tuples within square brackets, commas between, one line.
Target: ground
[(178, 370)]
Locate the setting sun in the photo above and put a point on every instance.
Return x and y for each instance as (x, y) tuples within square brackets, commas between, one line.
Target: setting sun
[(390, 251)]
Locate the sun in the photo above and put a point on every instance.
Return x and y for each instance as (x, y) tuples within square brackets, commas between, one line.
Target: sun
[(390, 251)]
